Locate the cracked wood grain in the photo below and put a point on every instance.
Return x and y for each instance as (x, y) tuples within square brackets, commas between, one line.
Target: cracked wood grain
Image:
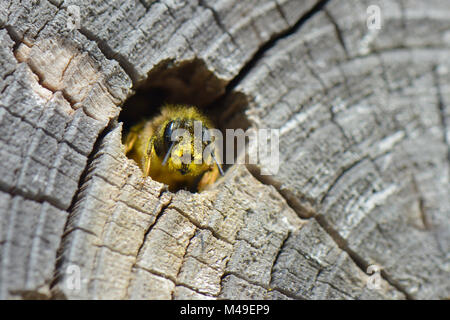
[(363, 117), (386, 125)]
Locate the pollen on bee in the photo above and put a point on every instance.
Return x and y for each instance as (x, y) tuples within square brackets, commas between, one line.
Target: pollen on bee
[(169, 158)]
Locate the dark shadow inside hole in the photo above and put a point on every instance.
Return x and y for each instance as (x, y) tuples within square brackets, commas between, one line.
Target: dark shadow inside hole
[(186, 83), (142, 105)]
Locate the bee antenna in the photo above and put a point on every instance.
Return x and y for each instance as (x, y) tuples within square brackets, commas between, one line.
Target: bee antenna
[(218, 164), (166, 157)]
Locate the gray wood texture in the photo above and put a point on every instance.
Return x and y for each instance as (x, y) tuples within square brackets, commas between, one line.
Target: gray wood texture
[(364, 148)]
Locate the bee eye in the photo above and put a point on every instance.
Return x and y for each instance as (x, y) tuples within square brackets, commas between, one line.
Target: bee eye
[(168, 134)]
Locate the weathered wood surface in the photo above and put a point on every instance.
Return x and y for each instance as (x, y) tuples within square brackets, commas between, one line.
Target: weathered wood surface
[(364, 147)]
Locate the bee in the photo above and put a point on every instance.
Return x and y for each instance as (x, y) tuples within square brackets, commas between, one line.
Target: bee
[(152, 145)]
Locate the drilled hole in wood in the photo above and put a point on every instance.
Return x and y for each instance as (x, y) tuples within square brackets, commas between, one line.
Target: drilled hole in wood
[(186, 83)]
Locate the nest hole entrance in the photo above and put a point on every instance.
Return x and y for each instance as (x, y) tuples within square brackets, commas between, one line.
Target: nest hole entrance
[(186, 83)]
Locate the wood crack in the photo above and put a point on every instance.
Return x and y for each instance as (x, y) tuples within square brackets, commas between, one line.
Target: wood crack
[(342, 172), (218, 21), (341, 242), (278, 255), (281, 12), (355, 257), (146, 233), (195, 290), (81, 181), (255, 283), (152, 225), (338, 31), (214, 233), (183, 258), (301, 204), (441, 107), (270, 44), (16, 192), (109, 53)]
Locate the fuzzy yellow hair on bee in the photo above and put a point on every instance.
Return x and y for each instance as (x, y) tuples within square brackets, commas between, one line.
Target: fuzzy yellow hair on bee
[(151, 145)]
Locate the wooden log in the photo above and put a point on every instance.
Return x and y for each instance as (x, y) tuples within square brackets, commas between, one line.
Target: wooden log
[(363, 120)]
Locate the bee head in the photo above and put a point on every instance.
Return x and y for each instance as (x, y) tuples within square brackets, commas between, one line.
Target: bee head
[(180, 143), (175, 146)]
